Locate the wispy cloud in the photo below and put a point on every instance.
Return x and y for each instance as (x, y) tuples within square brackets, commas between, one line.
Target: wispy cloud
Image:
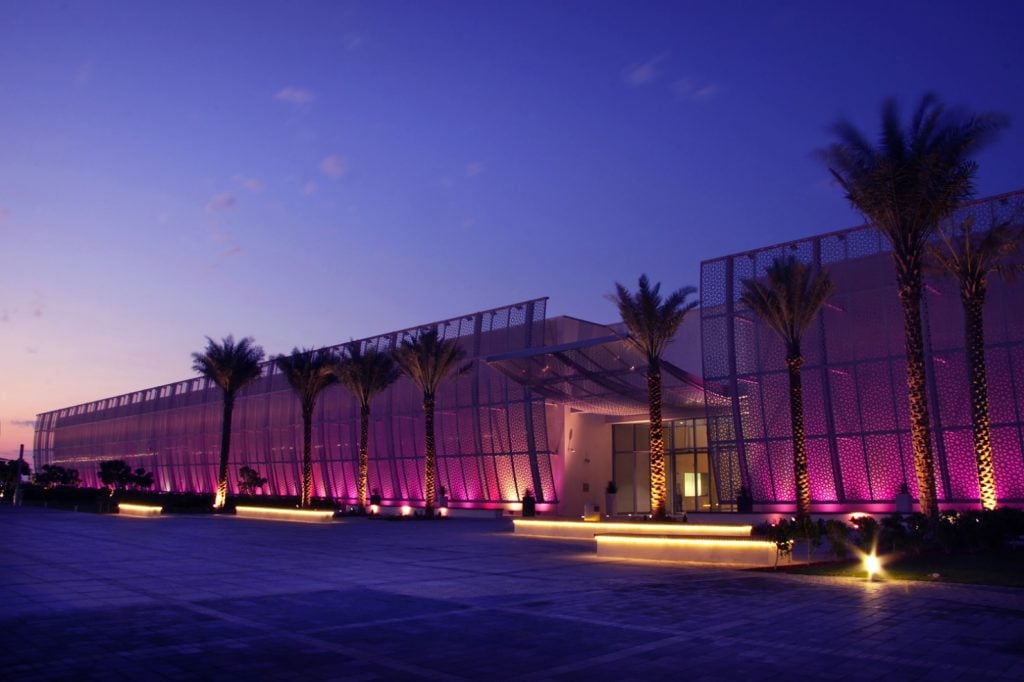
[(644, 73), (251, 184), (309, 189), (687, 89), (474, 169), (334, 166), (225, 201), (353, 42), (24, 423), (37, 304), (296, 96), (83, 74), (5, 212)]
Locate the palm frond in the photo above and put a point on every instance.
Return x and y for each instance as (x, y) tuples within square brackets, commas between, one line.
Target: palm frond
[(308, 372), (652, 321), (428, 360), (915, 176), (365, 373), (788, 298), (970, 257), (228, 364)]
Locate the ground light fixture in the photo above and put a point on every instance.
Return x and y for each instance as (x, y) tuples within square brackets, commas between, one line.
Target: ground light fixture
[(374, 509), (872, 565), (406, 510)]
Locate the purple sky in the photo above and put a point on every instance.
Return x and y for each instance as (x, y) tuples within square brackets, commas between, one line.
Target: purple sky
[(309, 172)]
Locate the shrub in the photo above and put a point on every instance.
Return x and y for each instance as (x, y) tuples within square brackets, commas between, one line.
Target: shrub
[(53, 475), (249, 481), (866, 532), (838, 534)]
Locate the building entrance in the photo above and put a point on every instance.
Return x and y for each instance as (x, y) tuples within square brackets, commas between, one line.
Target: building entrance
[(691, 486)]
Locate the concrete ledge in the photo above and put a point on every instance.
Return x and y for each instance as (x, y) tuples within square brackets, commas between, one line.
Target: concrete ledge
[(293, 515), (138, 510), (456, 513), (722, 551), (586, 530)]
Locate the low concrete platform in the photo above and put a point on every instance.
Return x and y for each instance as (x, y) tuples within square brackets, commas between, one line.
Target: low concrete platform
[(139, 510), (565, 529), (728, 551), (292, 515)]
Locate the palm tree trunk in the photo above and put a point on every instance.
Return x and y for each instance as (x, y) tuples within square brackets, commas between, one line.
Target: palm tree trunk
[(429, 463), (364, 457), (307, 457), (659, 508), (920, 422), (225, 449), (796, 419), (977, 378)]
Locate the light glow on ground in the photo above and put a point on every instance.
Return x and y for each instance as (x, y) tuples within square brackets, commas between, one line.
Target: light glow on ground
[(286, 514)]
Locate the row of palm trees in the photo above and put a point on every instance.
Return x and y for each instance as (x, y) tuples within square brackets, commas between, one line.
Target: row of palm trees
[(426, 358), (907, 186)]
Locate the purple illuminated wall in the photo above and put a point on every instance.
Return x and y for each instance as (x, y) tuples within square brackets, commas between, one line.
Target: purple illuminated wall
[(491, 432), (854, 378)]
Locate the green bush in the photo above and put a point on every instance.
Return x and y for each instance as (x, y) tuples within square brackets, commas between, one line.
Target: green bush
[(866, 533), (838, 534), (81, 499)]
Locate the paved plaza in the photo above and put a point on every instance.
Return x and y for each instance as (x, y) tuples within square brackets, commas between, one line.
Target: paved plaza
[(84, 596)]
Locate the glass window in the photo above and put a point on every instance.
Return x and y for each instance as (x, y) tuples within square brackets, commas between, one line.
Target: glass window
[(623, 437), (643, 436)]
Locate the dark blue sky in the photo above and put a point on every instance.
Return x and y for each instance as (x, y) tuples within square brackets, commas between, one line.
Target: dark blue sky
[(310, 172)]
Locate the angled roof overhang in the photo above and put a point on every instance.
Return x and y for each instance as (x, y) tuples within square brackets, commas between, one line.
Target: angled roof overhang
[(606, 375)]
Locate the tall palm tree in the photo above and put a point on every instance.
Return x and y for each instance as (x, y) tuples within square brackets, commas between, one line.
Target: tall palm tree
[(308, 372), (787, 300), (428, 360), (970, 258), (652, 322), (365, 373), (906, 185), (231, 366)]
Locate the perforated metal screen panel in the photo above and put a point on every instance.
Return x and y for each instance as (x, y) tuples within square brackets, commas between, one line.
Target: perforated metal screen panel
[(854, 376), (492, 441)]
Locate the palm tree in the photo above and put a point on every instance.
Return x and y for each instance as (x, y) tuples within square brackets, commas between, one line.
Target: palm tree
[(906, 185), (365, 374), (428, 360), (971, 258), (308, 373), (652, 322), (231, 366), (787, 300)]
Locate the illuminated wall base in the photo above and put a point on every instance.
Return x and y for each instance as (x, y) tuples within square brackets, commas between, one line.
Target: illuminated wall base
[(139, 510), (294, 515), (586, 530), (723, 551)]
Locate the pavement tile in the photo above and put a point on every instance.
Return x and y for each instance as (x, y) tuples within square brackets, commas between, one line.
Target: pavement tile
[(182, 598)]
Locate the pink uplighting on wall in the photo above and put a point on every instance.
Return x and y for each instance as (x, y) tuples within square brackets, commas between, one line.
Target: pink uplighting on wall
[(174, 430), (854, 377)]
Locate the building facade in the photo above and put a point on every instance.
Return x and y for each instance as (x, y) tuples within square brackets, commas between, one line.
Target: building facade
[(559, 406), (854, 377), (491, 433)]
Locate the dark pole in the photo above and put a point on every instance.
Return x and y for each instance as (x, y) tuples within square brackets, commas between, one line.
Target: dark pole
[(17, 477)]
